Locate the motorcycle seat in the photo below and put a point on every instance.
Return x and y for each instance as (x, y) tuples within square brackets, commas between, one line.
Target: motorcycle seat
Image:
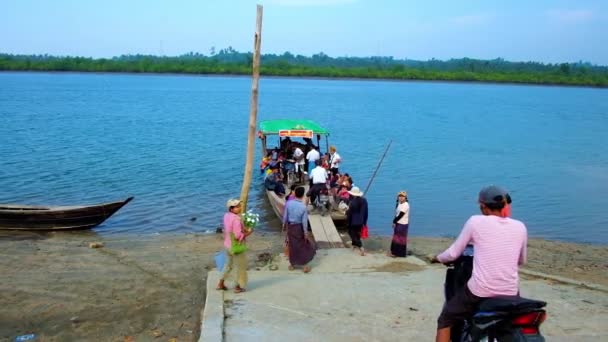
[(510, 304)]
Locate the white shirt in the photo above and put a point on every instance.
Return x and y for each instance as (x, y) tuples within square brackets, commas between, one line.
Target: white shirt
[(313, 155), (318, 175), (335, 161), (405, 208), (297, 154)]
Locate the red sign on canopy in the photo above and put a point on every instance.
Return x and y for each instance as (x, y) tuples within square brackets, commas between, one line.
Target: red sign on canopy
[(298, 133)]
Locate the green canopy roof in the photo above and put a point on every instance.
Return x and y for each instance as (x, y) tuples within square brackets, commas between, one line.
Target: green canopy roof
[(270, 127)]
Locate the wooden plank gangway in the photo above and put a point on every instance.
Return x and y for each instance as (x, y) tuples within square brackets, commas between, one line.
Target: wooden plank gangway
[(323, 228), (324, 231)]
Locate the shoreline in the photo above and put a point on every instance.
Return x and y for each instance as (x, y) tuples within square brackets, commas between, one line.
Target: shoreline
[(143, 287), (328, 78)]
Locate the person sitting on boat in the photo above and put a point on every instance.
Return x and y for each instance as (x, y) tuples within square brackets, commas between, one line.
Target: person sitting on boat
[(265, 163), (343, 194), (347, 181), (279, 189), (334, 185), (334, 179), (272, 179), (318, 177)]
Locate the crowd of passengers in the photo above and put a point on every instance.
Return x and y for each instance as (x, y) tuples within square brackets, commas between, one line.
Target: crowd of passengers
[(305, 160)]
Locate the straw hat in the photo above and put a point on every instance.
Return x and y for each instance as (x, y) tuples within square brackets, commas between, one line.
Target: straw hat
[(356, 192), (402, 193)]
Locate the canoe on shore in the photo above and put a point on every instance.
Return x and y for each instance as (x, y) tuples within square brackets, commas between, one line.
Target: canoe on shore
[(23, 217)]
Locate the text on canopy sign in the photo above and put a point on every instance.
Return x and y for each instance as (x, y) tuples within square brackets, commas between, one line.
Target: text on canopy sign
[(299, 133)]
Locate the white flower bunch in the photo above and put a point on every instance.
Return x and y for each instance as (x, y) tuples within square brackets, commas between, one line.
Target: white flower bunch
[(250, 219)]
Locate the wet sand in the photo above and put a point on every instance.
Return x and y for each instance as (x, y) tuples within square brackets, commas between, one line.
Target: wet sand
[(134, 288), (152, 288)]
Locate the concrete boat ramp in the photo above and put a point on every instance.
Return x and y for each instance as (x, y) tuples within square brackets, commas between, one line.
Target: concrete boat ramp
[(347, 297)]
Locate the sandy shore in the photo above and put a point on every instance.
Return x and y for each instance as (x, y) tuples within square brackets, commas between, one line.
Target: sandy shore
[(153, 287), (583, 262)]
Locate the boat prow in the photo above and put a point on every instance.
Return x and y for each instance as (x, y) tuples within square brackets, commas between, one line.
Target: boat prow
[(24, 217)]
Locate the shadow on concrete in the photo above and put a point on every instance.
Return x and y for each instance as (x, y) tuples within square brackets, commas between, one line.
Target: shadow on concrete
[(264, 282)]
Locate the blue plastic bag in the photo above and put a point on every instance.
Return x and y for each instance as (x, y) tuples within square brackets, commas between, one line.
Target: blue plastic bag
[(27, 337), (220, 260)]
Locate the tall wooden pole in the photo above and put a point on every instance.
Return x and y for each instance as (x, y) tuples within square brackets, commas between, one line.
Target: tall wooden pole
[(253, 111)]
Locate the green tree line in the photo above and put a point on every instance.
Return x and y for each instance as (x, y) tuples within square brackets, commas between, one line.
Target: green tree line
[(231, 62)]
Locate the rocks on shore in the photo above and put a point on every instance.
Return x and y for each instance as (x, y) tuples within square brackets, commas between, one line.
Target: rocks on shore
[(95, 244)]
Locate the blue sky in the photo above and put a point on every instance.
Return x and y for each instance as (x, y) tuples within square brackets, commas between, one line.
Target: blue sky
[(536, 30)]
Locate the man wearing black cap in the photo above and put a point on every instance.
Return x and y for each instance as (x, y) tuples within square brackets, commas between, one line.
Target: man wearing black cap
[(500, 247)]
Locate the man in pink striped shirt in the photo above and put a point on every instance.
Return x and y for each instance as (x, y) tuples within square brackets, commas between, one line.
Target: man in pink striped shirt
[(500, 247)]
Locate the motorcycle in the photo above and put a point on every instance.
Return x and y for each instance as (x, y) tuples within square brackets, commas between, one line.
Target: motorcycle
[(322, 201), (502, 319)]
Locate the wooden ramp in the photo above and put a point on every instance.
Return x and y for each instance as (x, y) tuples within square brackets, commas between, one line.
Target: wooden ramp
[(325, 232)]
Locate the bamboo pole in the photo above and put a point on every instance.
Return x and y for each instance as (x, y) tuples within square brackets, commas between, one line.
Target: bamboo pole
[(253, 111), (377, 167)]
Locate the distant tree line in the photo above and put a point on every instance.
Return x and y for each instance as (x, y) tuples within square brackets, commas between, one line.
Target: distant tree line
[(231, 62)]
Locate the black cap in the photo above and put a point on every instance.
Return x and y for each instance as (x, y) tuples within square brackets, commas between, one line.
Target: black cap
[(492, 195)]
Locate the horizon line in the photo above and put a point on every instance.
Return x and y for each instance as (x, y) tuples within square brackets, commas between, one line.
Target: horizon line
[(302, 55)]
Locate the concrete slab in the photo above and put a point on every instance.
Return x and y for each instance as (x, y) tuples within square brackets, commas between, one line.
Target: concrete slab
[(326, 307), (348, 261), (347, 297), (212, 325)]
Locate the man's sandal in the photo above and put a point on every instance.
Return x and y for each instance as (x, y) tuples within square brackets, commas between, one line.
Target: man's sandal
[(239, 289)]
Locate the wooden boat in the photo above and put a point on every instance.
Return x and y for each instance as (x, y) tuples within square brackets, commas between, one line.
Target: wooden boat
[(21, 217), (295, 129)]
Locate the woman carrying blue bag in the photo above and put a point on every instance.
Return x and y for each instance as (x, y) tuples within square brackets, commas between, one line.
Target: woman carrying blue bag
[(236, 248)]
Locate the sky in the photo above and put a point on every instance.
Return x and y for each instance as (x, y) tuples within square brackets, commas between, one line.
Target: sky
[(549, 31)]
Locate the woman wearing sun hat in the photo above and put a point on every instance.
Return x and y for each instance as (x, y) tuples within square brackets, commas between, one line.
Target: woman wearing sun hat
[(234, 225), (401, 223), (356, 217)]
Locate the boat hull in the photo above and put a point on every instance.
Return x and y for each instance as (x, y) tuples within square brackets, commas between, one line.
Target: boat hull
[(15, 217), (278, 206)]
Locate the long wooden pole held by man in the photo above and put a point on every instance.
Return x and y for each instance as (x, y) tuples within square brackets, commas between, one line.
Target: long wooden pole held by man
[(253, 111)]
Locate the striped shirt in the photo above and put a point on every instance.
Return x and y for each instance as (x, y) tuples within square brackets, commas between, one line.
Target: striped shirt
[(500, 247)]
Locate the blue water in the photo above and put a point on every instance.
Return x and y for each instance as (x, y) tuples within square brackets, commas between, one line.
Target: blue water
[(177, 143)]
